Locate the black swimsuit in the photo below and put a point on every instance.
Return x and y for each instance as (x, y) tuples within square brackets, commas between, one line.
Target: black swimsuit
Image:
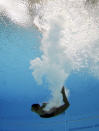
[(48, 115)]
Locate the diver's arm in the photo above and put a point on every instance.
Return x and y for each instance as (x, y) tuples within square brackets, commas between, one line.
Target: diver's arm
[(43, 105)]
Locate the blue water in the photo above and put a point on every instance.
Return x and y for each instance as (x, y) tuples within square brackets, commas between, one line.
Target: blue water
[(19, 90)]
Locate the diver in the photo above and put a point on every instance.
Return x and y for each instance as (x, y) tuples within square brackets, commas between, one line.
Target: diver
[(54, 110)]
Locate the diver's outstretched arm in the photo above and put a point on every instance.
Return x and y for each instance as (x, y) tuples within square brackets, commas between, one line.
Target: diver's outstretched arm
[(64, 96)]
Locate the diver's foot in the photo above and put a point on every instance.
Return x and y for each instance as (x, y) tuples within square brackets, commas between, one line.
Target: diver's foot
[(63, 90)]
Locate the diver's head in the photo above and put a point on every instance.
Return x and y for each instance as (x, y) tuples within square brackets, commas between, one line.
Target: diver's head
[(35, 107)]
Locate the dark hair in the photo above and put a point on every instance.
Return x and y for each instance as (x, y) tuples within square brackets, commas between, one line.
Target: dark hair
[(35, 106)]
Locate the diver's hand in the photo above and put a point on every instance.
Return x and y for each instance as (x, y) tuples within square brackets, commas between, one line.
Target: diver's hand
[(43, 105)]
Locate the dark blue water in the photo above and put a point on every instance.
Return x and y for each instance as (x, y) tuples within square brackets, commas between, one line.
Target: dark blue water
[(19, 90)]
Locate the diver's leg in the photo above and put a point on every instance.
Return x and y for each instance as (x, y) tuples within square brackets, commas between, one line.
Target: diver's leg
[(64, 96)]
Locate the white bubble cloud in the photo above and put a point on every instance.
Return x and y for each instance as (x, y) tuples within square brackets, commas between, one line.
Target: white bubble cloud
[(70, 42)]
